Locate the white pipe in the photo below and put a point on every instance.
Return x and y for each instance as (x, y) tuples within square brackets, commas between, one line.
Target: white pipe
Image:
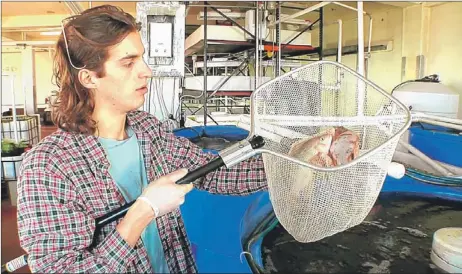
[(278, 73), (360, 62), (370, 22), (442, 124), (419, 116), (426, 159), (348, 7), (415, 162), (370, 35), (13, 102), (257, 45), (340, 42), (300, 13), (421, 30), (366, 69)]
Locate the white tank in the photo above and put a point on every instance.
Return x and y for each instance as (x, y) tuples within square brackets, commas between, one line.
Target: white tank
[(446, 251), (428, 97)]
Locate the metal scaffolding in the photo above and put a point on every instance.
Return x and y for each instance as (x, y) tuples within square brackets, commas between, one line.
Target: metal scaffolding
[(254, 48)]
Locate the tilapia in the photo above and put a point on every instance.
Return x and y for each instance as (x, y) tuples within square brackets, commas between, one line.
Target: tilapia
[(314, 151), (318, 146), (345, 146)]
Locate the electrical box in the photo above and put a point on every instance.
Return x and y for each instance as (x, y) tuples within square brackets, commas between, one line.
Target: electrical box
[(163, 35), (160, 39)]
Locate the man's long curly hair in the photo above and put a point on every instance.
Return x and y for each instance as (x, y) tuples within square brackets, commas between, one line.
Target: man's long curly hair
[(89, 37)]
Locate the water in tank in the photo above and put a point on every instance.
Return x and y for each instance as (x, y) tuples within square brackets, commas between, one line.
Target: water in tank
[(396, 237)]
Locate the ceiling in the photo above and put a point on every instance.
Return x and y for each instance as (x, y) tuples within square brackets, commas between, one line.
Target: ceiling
[(58, 10), (58, 7)]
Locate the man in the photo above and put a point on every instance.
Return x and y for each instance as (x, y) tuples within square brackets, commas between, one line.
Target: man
[(105, 154)]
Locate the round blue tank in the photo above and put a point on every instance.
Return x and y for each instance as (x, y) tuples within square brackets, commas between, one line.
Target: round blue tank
[(232, 234)]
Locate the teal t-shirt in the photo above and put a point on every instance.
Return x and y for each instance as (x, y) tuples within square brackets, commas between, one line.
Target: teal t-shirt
[(128, 170)]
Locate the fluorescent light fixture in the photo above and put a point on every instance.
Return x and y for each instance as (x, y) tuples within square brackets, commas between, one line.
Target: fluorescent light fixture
[(212, 15), (50, 33)]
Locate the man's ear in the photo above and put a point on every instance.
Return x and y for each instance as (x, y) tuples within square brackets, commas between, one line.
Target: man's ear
[(86, 78)]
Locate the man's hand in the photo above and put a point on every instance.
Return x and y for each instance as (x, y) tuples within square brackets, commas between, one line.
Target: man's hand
[(164, 194)]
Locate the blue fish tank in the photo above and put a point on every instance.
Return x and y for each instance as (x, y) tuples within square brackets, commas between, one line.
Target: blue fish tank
[(241, 234)]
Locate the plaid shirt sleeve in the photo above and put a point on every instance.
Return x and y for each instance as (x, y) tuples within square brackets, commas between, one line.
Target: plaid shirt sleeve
[(244, 178), (53, 227)]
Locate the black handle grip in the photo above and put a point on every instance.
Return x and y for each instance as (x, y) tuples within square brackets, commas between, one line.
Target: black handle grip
[(202, 171)]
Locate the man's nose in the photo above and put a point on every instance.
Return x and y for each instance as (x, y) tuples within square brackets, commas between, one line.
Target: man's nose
[(146, 71)]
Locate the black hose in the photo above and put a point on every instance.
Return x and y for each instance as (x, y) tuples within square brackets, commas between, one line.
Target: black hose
[(258, 232)]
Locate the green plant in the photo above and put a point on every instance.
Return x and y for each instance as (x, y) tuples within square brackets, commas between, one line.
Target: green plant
[(11, 148)]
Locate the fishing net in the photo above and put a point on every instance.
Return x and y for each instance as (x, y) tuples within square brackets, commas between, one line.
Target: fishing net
[(312, 200)]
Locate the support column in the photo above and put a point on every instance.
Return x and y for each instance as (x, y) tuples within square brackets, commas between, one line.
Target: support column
[(28, 80)]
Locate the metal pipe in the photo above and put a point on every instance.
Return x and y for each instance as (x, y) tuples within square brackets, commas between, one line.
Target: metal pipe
[(257, 45), (321, 33), (360, 65), (301, 32), (13, 106), (302, 12), (370, 36), (368, 48), (340, 44), (278, 39), (205, 67), (235, 71), (351, 8), (295, 8), (370, 25), (222, 6)]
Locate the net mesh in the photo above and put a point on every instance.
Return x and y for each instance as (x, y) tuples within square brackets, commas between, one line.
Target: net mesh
[(312, 204)]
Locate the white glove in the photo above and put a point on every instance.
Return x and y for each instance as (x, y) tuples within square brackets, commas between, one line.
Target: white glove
[(164, 195)]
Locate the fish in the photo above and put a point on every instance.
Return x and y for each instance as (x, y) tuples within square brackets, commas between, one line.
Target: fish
[(306, 149), (322, 160), (312, 150), (333, 146), (344, 147)]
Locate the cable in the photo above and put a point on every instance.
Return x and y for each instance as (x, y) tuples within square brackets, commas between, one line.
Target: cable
[(432, 179)]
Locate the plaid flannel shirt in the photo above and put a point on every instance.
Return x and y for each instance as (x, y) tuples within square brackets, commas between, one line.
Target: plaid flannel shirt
[(65, 185)]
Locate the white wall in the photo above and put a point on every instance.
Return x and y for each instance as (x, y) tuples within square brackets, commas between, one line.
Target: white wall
[(43, 75), (445, 46), (384, 67)]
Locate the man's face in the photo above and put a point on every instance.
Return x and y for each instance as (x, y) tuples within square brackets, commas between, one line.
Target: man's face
[(124, 85)]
